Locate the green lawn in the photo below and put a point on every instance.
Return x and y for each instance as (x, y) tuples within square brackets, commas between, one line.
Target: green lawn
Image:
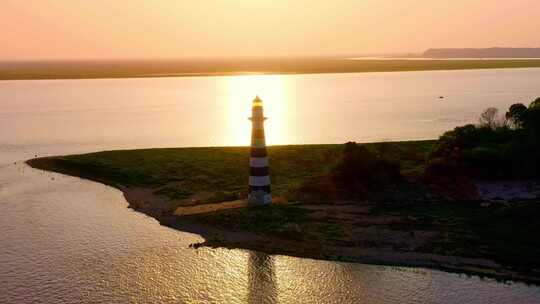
[(501, 233), (179, 173)]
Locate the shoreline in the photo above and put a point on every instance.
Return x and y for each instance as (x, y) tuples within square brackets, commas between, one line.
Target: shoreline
[(217, 235), (118, 70), (218, 238)]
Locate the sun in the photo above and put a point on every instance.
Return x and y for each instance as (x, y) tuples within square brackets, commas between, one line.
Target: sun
[(241, 91)]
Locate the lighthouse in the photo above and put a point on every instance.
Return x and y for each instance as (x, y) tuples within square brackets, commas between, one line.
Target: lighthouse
[(259, 177)]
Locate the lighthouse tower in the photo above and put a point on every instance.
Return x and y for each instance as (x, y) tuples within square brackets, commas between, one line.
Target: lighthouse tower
[(259, 177)]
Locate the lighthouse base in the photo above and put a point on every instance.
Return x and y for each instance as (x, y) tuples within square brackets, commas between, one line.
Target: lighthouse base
[(259, 198)]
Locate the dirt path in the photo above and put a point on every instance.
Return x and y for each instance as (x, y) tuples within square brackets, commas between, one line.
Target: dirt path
[(205, 208)]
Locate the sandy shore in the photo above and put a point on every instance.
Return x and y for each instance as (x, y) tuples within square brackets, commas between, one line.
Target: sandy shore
[(186, 219)]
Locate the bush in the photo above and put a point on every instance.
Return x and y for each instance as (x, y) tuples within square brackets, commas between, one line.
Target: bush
[(532, 121), (445, 177), (484, 161), (490, 150), (517, 115), (490, 118), (468, 137), (535, 104), (360, 169)]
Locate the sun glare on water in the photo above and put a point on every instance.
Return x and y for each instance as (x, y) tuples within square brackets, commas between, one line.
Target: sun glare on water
[(242, 90)]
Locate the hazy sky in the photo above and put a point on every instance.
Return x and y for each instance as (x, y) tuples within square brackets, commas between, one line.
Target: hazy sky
[(75, 29)]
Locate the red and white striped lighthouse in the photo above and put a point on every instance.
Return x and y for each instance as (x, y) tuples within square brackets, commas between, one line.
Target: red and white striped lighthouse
[(259, 177)]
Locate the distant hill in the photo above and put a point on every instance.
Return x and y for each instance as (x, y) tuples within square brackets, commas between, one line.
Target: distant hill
[(483, 53)]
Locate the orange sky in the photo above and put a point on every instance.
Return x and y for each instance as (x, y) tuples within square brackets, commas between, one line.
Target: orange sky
[(78, 29)]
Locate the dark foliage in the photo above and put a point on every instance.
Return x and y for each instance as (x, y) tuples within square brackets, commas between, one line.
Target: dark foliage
[(532, 122), (489, 118), (517, 114), (489, 151), (361, 169)]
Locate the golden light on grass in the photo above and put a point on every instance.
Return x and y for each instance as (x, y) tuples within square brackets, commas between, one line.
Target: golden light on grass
[(241, 92)]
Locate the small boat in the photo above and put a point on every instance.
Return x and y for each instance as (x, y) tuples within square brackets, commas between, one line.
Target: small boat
[(441, 97)]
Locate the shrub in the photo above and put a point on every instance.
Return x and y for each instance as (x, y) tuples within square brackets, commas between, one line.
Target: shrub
[(517, 115), (484, 161), (532, 121), (360, 169), (489, 118), (535, 104), (490, 150)]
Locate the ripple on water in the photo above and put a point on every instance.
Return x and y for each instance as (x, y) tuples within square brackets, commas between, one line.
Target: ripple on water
[(68, 240)]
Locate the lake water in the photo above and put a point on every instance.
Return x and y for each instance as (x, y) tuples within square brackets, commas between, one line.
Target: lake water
[(67, 240)]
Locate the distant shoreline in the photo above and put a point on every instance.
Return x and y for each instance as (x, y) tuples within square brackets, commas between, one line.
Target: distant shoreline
[(198, 68)]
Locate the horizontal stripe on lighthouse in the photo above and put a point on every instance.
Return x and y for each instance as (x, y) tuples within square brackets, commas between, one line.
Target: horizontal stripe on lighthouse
[(259, 180), (257, 162), (258, 152), (258, 143), (258, 171), (259, 188)]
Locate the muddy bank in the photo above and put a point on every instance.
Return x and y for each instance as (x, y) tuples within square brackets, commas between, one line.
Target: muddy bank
[(363, 251), (377, 246)]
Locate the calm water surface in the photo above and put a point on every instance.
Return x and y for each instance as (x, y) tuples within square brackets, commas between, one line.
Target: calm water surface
[(66, 240)]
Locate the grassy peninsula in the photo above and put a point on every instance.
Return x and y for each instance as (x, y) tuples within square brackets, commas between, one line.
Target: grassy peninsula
[(468, 202), (401, 224)]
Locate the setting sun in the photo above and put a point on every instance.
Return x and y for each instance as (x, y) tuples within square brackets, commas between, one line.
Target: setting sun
[(241, 91)]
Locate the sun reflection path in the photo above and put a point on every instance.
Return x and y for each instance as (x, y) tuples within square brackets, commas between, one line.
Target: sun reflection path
[(242, 90)]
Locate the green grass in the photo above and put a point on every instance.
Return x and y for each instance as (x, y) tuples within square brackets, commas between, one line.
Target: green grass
[(502, 233), (277, 220), (221, 172)]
